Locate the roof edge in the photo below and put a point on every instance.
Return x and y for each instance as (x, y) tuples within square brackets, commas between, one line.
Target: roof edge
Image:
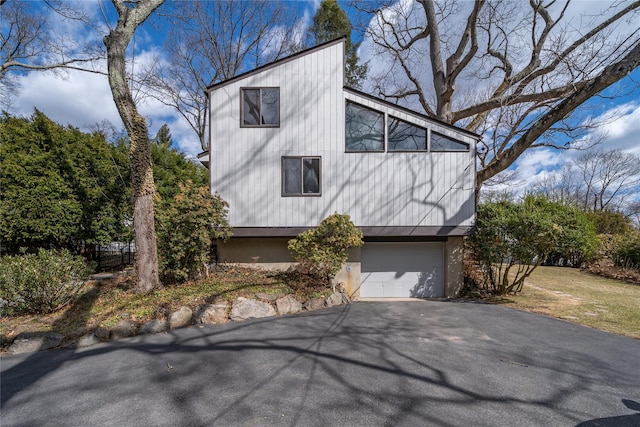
[(275, 63), (410, 111)]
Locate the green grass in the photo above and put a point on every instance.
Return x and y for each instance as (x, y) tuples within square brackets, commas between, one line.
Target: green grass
[(107, 303), (583, 298)]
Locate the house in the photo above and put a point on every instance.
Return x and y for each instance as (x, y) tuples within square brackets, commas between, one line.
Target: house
[(290, 145)]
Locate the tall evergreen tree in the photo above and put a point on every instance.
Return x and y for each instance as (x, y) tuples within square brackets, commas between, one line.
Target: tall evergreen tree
[(331, 22), (59, 186), (171, 168)]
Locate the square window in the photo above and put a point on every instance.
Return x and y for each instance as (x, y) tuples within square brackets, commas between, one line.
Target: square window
[(260, 107), (301, 176), (364, 128), (405, 136)]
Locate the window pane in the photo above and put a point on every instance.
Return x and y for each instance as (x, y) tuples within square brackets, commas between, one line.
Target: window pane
[(271, 106), (405, 136), (292, 176), (444, 143), (251, 107), (311, 176), (364, 129)]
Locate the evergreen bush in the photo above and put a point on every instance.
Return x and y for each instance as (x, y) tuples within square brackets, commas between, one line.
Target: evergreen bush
[(40, 283), (187, 225), (322, 251)]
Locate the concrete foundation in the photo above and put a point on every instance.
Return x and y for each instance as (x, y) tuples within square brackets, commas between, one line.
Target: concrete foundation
[(454, 268), (271, 253)]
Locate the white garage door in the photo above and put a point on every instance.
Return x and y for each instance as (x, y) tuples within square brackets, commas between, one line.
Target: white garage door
[(402, 270)]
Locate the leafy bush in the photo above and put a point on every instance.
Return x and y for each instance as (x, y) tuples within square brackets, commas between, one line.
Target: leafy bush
[(322, 251), (622, 249), (512, 239), (186, 227), (40, 283)]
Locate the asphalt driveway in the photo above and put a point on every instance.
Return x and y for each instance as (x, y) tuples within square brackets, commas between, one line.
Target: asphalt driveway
[(366, 364)]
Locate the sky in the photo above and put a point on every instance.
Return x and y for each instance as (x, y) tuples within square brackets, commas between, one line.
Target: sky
[(84, 99)]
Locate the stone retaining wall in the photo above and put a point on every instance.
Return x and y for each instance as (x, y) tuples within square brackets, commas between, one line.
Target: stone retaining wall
[(263, 305)]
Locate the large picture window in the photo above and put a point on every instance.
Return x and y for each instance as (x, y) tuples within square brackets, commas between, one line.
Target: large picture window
[(444, 143), (405, 136), (301, 176), (364, 128), (260, 107)]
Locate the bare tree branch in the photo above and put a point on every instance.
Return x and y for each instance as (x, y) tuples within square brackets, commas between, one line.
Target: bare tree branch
[(212, 42), (515, 72)]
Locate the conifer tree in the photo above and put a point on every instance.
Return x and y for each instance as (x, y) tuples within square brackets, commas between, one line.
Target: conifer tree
[(331, 22)]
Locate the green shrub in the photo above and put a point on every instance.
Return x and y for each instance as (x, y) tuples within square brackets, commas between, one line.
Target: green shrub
[(40, 283), (186, 227), (625, 250), (322, 251), (512, 239)]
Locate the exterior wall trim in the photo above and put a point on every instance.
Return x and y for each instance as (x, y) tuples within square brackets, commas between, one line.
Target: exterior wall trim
[(275, 64), (369, 232)]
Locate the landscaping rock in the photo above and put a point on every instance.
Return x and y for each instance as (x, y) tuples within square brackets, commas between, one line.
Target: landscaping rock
[(288, 305), (28, 342), (212, 313), (314, 304), (102, 333), (87, 340), (334, 299), (154, 326), (123, 329), (245, 309), (180, 318), (345, 298), (268, 297)]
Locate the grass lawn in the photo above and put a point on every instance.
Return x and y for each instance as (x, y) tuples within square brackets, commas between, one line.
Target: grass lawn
[(581, 297), (104, 304)]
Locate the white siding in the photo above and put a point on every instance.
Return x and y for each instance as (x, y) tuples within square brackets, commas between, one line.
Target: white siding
[(376, 189)]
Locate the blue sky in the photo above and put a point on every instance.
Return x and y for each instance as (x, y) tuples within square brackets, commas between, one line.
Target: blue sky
[(84, 99)]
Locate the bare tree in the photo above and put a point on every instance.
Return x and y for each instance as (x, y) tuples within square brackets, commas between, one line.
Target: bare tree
[(513, 72), (596, 181), (214, 41), (130, 16), (28, 43), (562, 186), (609, 179)]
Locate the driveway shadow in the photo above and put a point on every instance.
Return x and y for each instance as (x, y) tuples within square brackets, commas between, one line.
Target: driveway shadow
[(415, 363), (632, 420)]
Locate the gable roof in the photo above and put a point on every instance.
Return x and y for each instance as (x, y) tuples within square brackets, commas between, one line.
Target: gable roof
[(275, 63), (348, 89)]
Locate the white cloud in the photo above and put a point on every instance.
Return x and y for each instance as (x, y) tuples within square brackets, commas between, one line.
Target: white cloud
[(84, 99), (622, 130)]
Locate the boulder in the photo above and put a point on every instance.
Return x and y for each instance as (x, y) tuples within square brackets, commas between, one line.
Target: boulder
[(87, 340), (345, 298), (102, 333), (123, 329), (288, 305), (180, 318), (268, 297), (212, 313), (28, 342), (245, 309), (154, 326), (334, 299), (314, 304)]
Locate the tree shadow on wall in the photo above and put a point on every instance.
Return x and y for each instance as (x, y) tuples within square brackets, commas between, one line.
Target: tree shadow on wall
[(426, 286)]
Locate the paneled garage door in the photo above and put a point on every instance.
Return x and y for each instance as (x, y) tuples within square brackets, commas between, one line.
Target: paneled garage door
[(402, 270)]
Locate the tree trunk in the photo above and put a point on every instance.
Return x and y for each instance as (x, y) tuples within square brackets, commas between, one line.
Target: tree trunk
[(129, 19)]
